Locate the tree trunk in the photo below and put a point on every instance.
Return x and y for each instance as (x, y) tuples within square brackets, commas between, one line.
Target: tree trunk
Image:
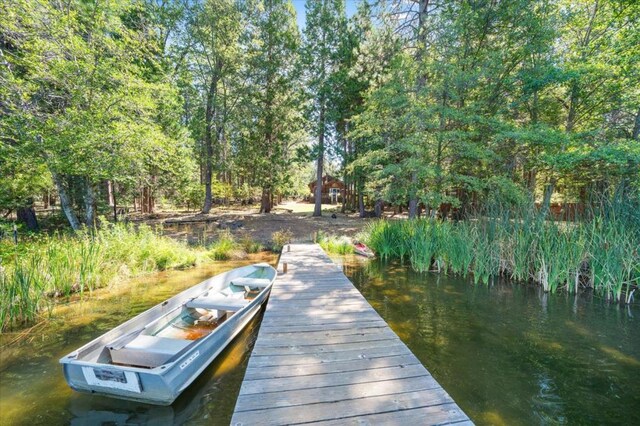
[(635, 135), (413, 200), (115, 201), (345, 193), (90, 204), (361, 203), (152, 200), (265, 201), (65, 202), (109, 192), (378, 208), (208, 144), (317, 210), (546, 201), (421, 81), (27, 215), (530, 178)]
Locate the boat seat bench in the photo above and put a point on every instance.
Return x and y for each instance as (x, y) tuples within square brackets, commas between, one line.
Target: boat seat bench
[(218, 303), (251, 282), (148, 351)]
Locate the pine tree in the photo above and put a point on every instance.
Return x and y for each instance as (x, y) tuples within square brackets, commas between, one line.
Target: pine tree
[(326, 21), (272, 97)]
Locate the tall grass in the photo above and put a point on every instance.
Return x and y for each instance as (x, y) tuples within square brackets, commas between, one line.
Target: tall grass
[(61, 264), (333, 244), (602, 253), (226, 247)]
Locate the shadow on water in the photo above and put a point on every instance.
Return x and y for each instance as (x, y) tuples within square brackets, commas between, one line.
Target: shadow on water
[(511, 354), (32, 387)]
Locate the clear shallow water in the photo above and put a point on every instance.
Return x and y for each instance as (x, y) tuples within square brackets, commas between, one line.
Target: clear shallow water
[(510, 354), (33, 390)]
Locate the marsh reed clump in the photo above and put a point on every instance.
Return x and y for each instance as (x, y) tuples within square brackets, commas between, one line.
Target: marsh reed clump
[(47, 266), (600, 252)]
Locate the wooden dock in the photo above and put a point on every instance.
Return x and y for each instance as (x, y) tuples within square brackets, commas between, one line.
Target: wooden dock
[(324, 355)]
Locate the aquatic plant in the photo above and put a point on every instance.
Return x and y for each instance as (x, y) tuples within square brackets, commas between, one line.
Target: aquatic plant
[(47, 266), (601, 252)]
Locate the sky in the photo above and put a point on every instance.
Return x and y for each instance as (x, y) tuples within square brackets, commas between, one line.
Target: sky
[(351, 8)]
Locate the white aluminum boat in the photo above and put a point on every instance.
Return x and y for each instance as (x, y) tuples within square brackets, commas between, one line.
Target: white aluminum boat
[(153, 357)]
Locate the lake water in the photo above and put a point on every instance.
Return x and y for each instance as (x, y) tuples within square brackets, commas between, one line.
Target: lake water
[(508, 354), (511, 354)]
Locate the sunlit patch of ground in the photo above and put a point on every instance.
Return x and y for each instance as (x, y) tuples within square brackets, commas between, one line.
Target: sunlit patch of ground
[(246, 221)]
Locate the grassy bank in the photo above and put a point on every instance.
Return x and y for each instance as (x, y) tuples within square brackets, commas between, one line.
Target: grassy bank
[(602, 253), (43, 267)]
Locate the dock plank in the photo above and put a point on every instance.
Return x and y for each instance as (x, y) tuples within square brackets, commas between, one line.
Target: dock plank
[(297, 397), (324, 356), (346, 408), (329, 367)]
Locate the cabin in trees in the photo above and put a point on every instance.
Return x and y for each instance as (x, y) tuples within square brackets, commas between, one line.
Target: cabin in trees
[(332, 190)]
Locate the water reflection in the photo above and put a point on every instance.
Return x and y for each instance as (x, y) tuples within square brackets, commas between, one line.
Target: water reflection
[(33, 390), (512, 354)]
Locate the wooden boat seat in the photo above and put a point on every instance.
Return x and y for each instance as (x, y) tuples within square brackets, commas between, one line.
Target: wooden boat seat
[(218, 303), (251, 282), (148, 351)]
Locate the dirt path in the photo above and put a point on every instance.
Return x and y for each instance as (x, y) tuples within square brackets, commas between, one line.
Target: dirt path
[(293, 216)]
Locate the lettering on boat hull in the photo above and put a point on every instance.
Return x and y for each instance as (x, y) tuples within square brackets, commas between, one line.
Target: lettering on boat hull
[(112, 379)]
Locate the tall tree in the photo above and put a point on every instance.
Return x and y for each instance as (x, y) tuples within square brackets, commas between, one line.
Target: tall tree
[(213, 56), (273, 95), (350, 82), (325, 22)]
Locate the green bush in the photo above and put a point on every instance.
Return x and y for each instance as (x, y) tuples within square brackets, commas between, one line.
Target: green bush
[(280, 238), (224, 247)]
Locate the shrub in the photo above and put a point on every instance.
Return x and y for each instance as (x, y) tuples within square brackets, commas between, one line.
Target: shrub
[(280, 238)]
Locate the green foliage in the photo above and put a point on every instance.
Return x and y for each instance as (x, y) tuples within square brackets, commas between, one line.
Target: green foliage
[(85, 99), (249, 245), (335, 245), (463, 110), (602, 253), (225, 247), (61, 264), (280, 238)]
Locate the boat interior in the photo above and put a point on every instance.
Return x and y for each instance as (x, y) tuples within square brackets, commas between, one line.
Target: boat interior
[(169, 336)]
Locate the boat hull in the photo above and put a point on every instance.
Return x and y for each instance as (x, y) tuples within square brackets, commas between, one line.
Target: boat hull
[(163, 384)]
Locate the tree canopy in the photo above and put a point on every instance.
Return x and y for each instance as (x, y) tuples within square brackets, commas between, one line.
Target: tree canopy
[(419, 104)]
